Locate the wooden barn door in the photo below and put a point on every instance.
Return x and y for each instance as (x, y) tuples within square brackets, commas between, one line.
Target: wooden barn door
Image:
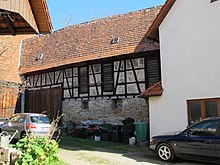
[(44, 100), (8, 102)]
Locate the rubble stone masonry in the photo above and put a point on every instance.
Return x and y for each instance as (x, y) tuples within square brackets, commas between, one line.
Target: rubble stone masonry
[(136, 108)]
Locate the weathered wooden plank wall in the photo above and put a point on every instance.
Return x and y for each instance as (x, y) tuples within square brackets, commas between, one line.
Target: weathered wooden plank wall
[(8, 101), (49, 100)]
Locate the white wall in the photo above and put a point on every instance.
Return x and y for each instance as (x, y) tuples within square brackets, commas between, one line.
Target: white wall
[(190, 62)]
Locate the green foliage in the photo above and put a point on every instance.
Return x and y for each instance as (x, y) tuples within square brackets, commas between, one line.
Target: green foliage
[(37, 151)]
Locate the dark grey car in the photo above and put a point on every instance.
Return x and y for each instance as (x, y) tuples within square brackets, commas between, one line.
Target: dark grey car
[(37, 124), (200, 141)]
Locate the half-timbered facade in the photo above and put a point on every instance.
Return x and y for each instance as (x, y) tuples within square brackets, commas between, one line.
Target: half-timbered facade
[(94, 70)]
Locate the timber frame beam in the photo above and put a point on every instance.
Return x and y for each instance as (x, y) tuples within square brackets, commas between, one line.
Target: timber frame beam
[(9, 23)]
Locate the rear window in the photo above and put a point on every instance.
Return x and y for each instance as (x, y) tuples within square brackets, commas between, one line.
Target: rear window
[(40, 119)]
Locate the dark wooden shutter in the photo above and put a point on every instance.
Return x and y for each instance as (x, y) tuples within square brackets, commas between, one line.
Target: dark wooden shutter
[(83, 80), (153, 71), (107, 77)]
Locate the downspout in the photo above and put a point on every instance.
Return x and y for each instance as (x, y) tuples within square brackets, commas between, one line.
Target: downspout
[(22, 92)]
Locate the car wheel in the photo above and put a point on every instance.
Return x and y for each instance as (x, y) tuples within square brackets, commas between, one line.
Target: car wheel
[(165, 152)]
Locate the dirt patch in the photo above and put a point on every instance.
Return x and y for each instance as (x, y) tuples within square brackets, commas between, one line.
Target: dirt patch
[(84, 157)]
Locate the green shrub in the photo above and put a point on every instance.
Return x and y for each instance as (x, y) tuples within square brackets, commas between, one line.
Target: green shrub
[(37, 151)]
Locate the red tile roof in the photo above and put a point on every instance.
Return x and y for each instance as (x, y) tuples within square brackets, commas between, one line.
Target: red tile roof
[(155, 90), (90, 41)]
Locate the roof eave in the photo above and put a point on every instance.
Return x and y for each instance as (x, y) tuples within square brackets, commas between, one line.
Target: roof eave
[(42, 16), (147, 96), (153, 31), (26, 14)]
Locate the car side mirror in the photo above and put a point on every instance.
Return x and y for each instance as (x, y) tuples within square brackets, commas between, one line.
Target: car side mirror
[(185, 134)]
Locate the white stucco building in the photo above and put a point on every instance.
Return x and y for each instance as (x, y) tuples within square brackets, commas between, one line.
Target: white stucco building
[(189, 36)]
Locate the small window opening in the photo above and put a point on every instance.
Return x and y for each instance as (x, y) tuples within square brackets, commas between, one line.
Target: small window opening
[(115, 40), (39, 57), (116, 104), (85, 104)]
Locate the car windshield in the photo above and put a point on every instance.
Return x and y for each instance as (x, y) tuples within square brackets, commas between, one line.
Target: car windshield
[(40, 119)]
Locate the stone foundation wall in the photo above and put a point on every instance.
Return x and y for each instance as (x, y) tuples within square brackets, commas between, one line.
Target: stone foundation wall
[(136, 108)]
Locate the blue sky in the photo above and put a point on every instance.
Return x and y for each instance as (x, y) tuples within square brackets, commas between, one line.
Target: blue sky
[(71, 12)]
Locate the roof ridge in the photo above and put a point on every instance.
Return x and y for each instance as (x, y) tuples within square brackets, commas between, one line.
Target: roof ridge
[(92, 21), (108, 18)]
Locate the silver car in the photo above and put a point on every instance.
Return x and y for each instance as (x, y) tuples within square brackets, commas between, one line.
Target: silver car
[(38, 124)]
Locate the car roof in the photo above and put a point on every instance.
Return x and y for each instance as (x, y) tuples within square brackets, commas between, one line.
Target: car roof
[(212, 118), (30, 114)]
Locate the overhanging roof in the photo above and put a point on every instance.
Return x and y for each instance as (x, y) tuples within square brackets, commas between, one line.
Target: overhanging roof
[(155, 90), (153, 31), (24, 17)]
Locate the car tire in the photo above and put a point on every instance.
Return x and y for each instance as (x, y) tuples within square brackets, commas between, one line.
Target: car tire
[(165, 152)]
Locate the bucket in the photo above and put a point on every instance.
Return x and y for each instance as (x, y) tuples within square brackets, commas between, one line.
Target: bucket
[(132, 141), (4, 139), (97, 138)]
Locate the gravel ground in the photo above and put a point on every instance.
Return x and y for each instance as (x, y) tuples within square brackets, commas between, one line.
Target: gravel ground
[(85, 157)]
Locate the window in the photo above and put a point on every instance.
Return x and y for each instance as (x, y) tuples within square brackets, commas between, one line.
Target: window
[(85, 104), (206, 128), (22, 119), (115, 40), (15, 119), (107, 77), (116, 104), (203, 108), (153, 70), (40, 119), (83, 80)]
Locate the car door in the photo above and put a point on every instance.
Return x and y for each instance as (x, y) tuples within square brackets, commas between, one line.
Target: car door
[(218, 142), (200, 140)]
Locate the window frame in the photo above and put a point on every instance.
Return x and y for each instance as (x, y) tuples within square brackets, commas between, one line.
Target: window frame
[(115, 103), (206, 128), (203, 107), (85, 104)]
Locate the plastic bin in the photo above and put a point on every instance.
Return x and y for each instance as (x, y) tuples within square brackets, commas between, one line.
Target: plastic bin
[(142, 131), (116, 133)]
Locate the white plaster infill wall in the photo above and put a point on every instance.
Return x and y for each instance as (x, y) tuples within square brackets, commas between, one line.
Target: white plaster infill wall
[(190, 62)]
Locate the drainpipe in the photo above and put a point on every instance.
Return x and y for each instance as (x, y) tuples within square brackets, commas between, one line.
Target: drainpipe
[(22, 102), (22, 92)]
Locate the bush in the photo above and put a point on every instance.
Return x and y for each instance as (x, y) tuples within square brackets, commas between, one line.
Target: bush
[(37, 151)]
